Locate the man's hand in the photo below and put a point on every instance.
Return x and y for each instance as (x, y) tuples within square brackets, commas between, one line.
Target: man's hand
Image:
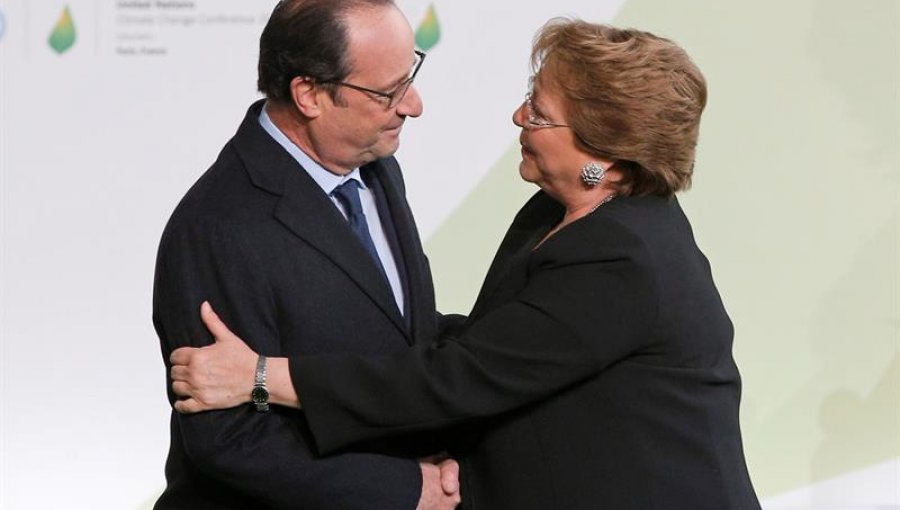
[(440, 486), (217, 376)]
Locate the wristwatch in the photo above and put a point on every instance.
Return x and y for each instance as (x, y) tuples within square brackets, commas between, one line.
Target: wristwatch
[(260, 394)]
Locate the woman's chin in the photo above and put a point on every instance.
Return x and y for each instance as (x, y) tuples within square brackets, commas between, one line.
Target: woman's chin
[(527, 172)]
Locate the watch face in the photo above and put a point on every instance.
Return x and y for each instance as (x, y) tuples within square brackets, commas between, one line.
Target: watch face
[(259, 395)]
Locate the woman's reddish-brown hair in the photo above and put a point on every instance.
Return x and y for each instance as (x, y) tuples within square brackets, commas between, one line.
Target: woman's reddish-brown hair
[(630, 96)]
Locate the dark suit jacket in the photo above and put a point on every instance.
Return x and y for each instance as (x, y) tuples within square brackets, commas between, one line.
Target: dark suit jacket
[(261, 241), (595, 372)]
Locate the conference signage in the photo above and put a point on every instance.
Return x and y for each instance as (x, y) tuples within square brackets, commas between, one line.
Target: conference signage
[(158, 28), (63, 36)]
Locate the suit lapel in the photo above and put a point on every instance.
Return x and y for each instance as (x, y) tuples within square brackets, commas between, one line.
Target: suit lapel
[(419, 292), (308, 213), (533, 221), (373, 181)]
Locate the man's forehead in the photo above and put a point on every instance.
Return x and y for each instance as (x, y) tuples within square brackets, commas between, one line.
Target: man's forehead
[(380, 42), (377, 25)]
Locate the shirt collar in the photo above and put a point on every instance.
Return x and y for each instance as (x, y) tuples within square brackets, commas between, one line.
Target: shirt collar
[(326, 180)]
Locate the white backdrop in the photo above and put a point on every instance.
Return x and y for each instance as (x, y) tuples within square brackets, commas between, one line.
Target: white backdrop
[(101, 136)]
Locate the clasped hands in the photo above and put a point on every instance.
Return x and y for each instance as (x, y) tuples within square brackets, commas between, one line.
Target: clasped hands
[(221, 375)]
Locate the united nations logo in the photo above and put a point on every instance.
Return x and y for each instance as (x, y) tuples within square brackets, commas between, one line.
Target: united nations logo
[(428, 29)]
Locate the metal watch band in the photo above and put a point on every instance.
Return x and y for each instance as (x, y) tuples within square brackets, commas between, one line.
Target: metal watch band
[(260, 394)]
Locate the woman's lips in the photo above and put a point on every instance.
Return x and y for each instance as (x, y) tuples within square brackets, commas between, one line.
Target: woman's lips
[(525, 150)]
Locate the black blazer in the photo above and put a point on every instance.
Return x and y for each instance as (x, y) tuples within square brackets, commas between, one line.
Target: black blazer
[(259, 239), (594, 372)]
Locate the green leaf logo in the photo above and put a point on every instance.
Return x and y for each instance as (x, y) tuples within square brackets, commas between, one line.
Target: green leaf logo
[(63, 35), (429, 32)]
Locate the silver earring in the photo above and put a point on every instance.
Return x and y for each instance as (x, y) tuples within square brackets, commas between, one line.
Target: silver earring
[(592, 174)]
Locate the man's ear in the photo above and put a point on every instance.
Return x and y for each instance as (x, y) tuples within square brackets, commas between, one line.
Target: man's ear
[(305, 96)]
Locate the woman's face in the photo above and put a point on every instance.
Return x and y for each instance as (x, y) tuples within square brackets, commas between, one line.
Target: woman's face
[(550, 157)]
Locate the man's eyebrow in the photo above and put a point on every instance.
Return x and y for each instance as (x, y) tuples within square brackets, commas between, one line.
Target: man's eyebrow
[(400, 81)]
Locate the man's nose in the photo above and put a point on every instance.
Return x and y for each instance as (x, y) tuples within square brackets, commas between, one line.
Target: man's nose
[(411, 104)]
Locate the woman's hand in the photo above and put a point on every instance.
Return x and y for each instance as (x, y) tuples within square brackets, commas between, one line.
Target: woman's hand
[(217, 376)]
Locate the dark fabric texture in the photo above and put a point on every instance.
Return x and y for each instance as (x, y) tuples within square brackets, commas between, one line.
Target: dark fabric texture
[(595, 371), (266, 246)]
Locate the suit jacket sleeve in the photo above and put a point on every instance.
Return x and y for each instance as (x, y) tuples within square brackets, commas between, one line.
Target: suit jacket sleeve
[(587, 302), (263, 455)]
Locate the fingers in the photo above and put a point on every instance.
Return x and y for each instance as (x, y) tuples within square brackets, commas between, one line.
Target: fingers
[(212, 321), (180, 373), (433, 496), (188, 406), (449, 476), (182, 355), (181, 388)]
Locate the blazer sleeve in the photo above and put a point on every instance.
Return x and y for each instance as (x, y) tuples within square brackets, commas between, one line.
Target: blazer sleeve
[(264, 455), (589, 301)]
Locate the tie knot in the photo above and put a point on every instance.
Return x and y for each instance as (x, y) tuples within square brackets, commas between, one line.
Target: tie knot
[(348, 194)]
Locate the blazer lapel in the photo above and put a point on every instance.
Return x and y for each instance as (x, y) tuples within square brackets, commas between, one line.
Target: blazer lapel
[(309, 214), (532, 222), (420, 294)]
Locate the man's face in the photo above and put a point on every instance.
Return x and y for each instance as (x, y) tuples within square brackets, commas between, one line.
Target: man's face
[(360, 127)]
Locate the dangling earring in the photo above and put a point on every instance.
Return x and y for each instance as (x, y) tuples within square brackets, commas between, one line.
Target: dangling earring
[(592, 174)]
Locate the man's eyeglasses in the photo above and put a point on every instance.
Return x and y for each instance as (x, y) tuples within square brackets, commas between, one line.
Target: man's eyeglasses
[(393, 97)]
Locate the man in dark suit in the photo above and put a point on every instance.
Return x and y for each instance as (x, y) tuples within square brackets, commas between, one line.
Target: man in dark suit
[(300, 229)]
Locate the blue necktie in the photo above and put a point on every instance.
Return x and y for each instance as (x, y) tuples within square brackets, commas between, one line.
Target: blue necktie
[(348, 194)]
